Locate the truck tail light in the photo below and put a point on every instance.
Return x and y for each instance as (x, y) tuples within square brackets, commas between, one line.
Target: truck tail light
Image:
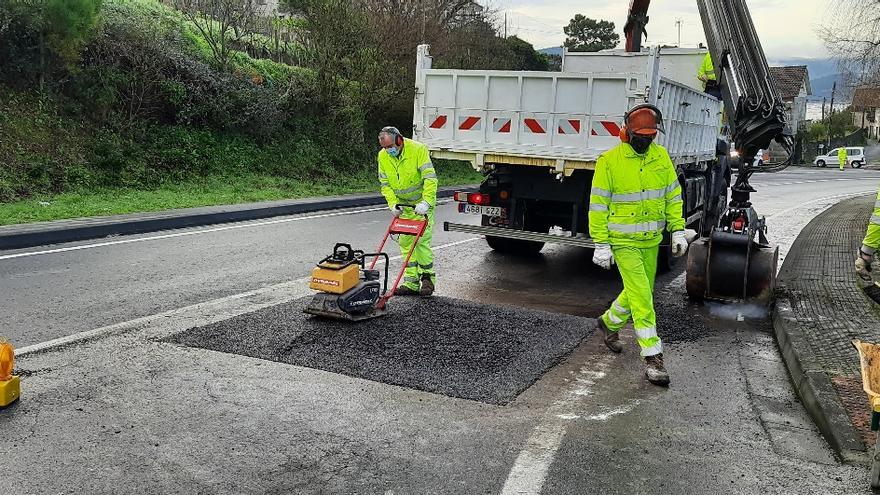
[(461, 197), (479, 199)]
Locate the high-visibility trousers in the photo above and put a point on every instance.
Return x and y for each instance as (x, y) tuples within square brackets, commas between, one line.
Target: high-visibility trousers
[(422, 261), (842, 163), (638, 268)]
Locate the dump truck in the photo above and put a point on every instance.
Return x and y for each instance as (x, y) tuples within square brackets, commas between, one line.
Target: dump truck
[(536, 137)]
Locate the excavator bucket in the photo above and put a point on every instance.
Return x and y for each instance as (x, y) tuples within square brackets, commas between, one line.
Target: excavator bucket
[(732, 267)]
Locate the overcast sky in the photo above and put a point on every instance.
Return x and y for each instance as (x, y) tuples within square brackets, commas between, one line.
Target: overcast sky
[(787, 28)]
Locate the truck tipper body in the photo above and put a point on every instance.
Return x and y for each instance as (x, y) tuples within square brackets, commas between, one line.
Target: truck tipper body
[(537, 135)]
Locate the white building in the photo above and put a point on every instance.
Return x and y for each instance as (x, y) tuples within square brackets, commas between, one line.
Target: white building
[(866, 110), (793, 84)]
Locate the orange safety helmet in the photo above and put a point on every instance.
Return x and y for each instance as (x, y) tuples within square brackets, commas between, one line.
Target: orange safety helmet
[(641, 119)]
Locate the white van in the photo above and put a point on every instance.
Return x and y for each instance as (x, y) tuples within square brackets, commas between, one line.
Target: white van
[(855, 157)]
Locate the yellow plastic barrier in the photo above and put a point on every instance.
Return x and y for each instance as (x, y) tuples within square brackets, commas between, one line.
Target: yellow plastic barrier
[(10, 387)]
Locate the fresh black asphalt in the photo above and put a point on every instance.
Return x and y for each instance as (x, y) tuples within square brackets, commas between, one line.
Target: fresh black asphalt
[(452, 347)]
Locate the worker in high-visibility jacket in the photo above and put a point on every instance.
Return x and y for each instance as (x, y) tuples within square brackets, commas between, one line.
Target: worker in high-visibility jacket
[(706, 74), (635, 196), (407, 177), (841, 157), (870, 245)]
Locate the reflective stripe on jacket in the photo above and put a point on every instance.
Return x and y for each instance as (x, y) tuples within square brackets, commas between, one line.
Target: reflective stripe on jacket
[(409, 178), (872, 239), (634, 197), (841, 154)]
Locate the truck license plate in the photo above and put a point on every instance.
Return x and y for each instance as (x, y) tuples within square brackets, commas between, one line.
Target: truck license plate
[(490, 211)]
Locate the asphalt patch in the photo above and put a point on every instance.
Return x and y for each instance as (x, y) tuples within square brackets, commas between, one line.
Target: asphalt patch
[(457, 348)]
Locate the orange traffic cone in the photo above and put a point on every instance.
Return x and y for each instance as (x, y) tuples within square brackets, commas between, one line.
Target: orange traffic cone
[(10, 387)]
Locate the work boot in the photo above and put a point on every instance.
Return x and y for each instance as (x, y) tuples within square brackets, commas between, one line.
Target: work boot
[(427, 286), (655, 371), (403, 290), (612, 339)]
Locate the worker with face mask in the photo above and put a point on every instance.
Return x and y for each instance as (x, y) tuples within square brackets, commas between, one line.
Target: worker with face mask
[(870, 245), (407, 177), (635, 196)]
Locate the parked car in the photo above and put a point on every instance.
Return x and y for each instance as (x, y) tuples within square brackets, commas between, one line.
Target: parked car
[(761, 157), (855, 157)]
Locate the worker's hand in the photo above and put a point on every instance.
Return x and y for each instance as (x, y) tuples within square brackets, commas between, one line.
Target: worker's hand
[(603, 256), (703, 77), (691, 235), (396, 210), (422, 208), (863, 263), (679, 243)]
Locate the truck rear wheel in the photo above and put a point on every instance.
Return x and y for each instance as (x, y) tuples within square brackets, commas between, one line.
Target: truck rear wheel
[(515, 247), (518, 247)]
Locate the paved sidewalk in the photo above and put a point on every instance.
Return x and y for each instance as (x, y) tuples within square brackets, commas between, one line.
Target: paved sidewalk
[(820, 310)]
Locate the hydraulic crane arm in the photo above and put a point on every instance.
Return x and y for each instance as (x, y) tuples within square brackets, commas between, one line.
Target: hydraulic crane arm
[(635, 24), (755, 110)]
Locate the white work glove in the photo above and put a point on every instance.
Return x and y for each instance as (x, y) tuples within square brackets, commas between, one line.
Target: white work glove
[(863, 263), (603, 256), (422, 208), (396, 210), (680, 243)]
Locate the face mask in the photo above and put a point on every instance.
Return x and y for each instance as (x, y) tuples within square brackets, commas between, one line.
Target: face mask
[(393, 151), (641, 143)]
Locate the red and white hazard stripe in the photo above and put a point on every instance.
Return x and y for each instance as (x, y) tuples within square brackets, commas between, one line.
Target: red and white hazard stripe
[(569, 126), (438, 122), (536, 126), (501, 125), (470, 123), (605, 128)]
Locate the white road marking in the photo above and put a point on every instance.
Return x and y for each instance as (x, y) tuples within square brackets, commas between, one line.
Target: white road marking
[(614, 412), (529, 471), (194, 232), (119, 327), (819, 200)]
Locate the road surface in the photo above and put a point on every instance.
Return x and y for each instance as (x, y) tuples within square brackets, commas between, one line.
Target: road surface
[(194, 420)]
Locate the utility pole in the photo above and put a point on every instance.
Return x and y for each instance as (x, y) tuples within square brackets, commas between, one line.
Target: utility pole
[(505, 25), (678, 23), (831, 110), (824, 101), (424, 19)]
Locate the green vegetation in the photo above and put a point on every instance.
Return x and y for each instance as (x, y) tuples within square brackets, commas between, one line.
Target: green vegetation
[(590, 35), (111, 106), (212, 190)]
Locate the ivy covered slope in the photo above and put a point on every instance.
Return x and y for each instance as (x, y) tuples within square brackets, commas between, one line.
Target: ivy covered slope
[(124, 105)]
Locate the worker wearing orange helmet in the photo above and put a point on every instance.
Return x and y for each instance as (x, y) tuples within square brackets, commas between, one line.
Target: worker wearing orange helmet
[(635, 197)]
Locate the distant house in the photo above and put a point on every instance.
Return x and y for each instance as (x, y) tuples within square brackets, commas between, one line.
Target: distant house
[(793, 84), (866, 110), (466, 13)]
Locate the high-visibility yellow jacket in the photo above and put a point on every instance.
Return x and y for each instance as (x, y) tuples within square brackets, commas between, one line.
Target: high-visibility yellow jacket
[(409, 178), (707, 68), (872, 239), (841, 154), (634, 197)]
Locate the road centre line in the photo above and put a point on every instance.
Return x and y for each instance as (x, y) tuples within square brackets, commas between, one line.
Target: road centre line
[(122, 326), (193, 232)]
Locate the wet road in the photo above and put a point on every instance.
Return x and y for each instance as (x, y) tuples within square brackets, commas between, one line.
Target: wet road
[(729, 423)]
